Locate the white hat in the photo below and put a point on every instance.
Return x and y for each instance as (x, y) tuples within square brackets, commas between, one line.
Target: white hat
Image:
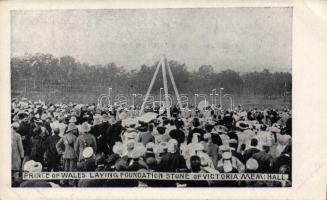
[(129, 122), (224, 148), (137, 152), (88, 152), (71, 126), (149, 145), (96, 116), (44, 116), (15, 125), (73, 119), (252, 164), (227, 155), (118, 148), (147, 117), (283, 139), (32, 166), (207, 135), (199, 147), (173, 141), (233, 140), (205, 159), (163, 146), (85, 127), (122, 115), (274, 129)]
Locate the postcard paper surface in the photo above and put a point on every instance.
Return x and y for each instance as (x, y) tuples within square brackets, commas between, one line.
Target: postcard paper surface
[(163, 100)]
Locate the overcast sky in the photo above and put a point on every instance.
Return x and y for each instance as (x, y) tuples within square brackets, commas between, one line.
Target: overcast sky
[(242, 39)]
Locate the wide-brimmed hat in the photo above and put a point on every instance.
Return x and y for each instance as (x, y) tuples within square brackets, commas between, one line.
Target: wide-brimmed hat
[(71, 126), (72, 119), (147, 117), (284, 139), (118, 148), (207, 135), (129, 122), (221, 129), (32, 166), (137, 152), (85, 127), (15, 125), (227, 155), (242, 125), (149, 146), (274, 129)]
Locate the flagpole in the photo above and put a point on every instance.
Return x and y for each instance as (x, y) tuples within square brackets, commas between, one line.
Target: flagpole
[(164, 76), (150, 87)]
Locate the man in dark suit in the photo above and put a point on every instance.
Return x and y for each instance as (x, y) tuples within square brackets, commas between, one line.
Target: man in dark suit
[(100, 133), (52, 156), (114, 134), (249, 152)]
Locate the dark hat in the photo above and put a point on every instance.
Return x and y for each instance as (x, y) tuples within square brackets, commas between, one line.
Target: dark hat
[(196, 122), (161, 130), (37, 130)]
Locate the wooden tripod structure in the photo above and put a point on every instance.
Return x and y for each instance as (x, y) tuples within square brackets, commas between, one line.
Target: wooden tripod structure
[(165, 67)]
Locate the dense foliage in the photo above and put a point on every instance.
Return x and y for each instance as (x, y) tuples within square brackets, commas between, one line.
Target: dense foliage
[(33, 71)]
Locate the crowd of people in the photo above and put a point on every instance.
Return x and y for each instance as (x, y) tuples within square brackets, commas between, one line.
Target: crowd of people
[(89, 137)]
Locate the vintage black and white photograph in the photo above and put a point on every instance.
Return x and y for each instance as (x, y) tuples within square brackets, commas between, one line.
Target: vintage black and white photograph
[(160, 97)]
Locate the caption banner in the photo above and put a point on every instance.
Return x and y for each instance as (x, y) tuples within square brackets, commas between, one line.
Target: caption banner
[(155, 176)]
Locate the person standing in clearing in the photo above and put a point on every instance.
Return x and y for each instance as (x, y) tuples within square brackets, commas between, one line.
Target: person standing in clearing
[(65, 146), (85, 139)]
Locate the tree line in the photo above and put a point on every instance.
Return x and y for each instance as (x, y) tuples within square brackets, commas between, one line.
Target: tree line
[(46, 69)]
